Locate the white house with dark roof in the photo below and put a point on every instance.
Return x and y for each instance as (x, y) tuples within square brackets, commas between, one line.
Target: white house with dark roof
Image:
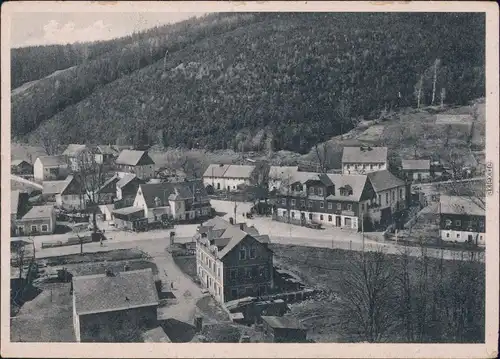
[(233, 260), (67, 194), (21, 167), (416, 170), (105, 154), (136, 162), (228, 177), (38, 220), (391, 195), (112, 306), (50, 168), (75, 154), (364, 159), (462, 219)]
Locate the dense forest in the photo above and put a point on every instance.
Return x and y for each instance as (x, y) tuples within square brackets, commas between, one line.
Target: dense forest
[(247, 80)]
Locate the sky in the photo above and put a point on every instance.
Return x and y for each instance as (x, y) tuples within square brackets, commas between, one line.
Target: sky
[(44, 28)]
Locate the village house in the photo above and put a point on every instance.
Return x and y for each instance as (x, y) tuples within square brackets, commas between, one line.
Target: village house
[(19, 206), (462, 219), (126, 188), (416, 170), (38, 220), (67, 194), (21, 168), (364, 159), (391, 196), (76, 155), (136, 162), (105, 154), (233, 260), (228, 177), (48, 168), (330, 199), (283, 330), (114, 307)]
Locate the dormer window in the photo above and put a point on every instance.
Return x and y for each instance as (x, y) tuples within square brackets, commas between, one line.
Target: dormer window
[(320, 191), (311, 190), (243, 253)]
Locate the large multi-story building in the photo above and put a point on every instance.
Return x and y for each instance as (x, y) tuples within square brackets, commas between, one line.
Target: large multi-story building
[(364, 159), (233, 260), (339, 200), (462, 219)]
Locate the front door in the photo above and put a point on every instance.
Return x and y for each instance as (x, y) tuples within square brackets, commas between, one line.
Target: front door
[(338, 221)]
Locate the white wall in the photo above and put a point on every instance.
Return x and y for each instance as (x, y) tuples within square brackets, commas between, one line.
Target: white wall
[(233, 183), (316, 217), (363, 168), (203, 272), (462, 236), (69, 201), (38, 170)]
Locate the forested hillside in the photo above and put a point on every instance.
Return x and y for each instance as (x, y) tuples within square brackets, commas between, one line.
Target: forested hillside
[(256, 81)]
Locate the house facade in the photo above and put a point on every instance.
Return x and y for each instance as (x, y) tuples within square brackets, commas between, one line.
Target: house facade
[(77, 154), (136, 162), (72, 195), (228, 177), (47, 168), (38, 220), (114, 307), (462, 219), (391, 196), (233, 261), (186, 200), (330, 199), (363, 160), (126, 188), (21, 168), (105, 154), (19, 206), (279, 175), (416, 170)]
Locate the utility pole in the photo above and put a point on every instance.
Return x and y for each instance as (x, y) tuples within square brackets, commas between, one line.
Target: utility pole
[(235, 206), (363, 231)]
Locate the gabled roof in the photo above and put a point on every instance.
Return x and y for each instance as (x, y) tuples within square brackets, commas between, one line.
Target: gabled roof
[(125, 179), (18, 162), (53, 161), (216, 170), (37, 212), (281, 172), (107, 150), (56, 187), (74, 150), (166, 191), (383, 180), (364, 154), (416, 164), (113, 179), (125, 290), (134, 158), (462, 205), (239, 171)]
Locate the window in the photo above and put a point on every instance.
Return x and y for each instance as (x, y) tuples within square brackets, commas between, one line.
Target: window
[(310, 216), (253, 250), (458, 235), (339, 206), (458, 223), (218, 272), (349, 207), (393, 195), (292, 202), (262, 271), (330, 205), (371, 166), (329, 218), (283, 201), (447, 234), (387, 198), (364, 166), (34, 228), (380, 165), (347, 221), (243, 253), (321, 216), (362, 207), (448, 222), (400, 193), (320, 191), (302, 203), (293, 214), (45, 228), (233, 274), (309, 204), (321, 204)]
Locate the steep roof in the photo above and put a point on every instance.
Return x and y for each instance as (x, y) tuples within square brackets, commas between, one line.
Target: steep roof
[(125, 179), (364, 154), (115, 179), (107, 150), (383, 180), (37, 212), (125, 290), (171, 190), (416, 164), (134, 158), (216, 170), (56, 187), (74, 149), (53, 161), (239, 171), (18, 162), (462, 205)]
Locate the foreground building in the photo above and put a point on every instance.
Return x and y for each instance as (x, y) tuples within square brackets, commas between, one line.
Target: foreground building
[(114, 307), (233, 261), (38, 220), (67, 194), (283, 330), (228, 177), (21, 168), (364, 159), (416, 170), (391, 196), (462, 219)]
